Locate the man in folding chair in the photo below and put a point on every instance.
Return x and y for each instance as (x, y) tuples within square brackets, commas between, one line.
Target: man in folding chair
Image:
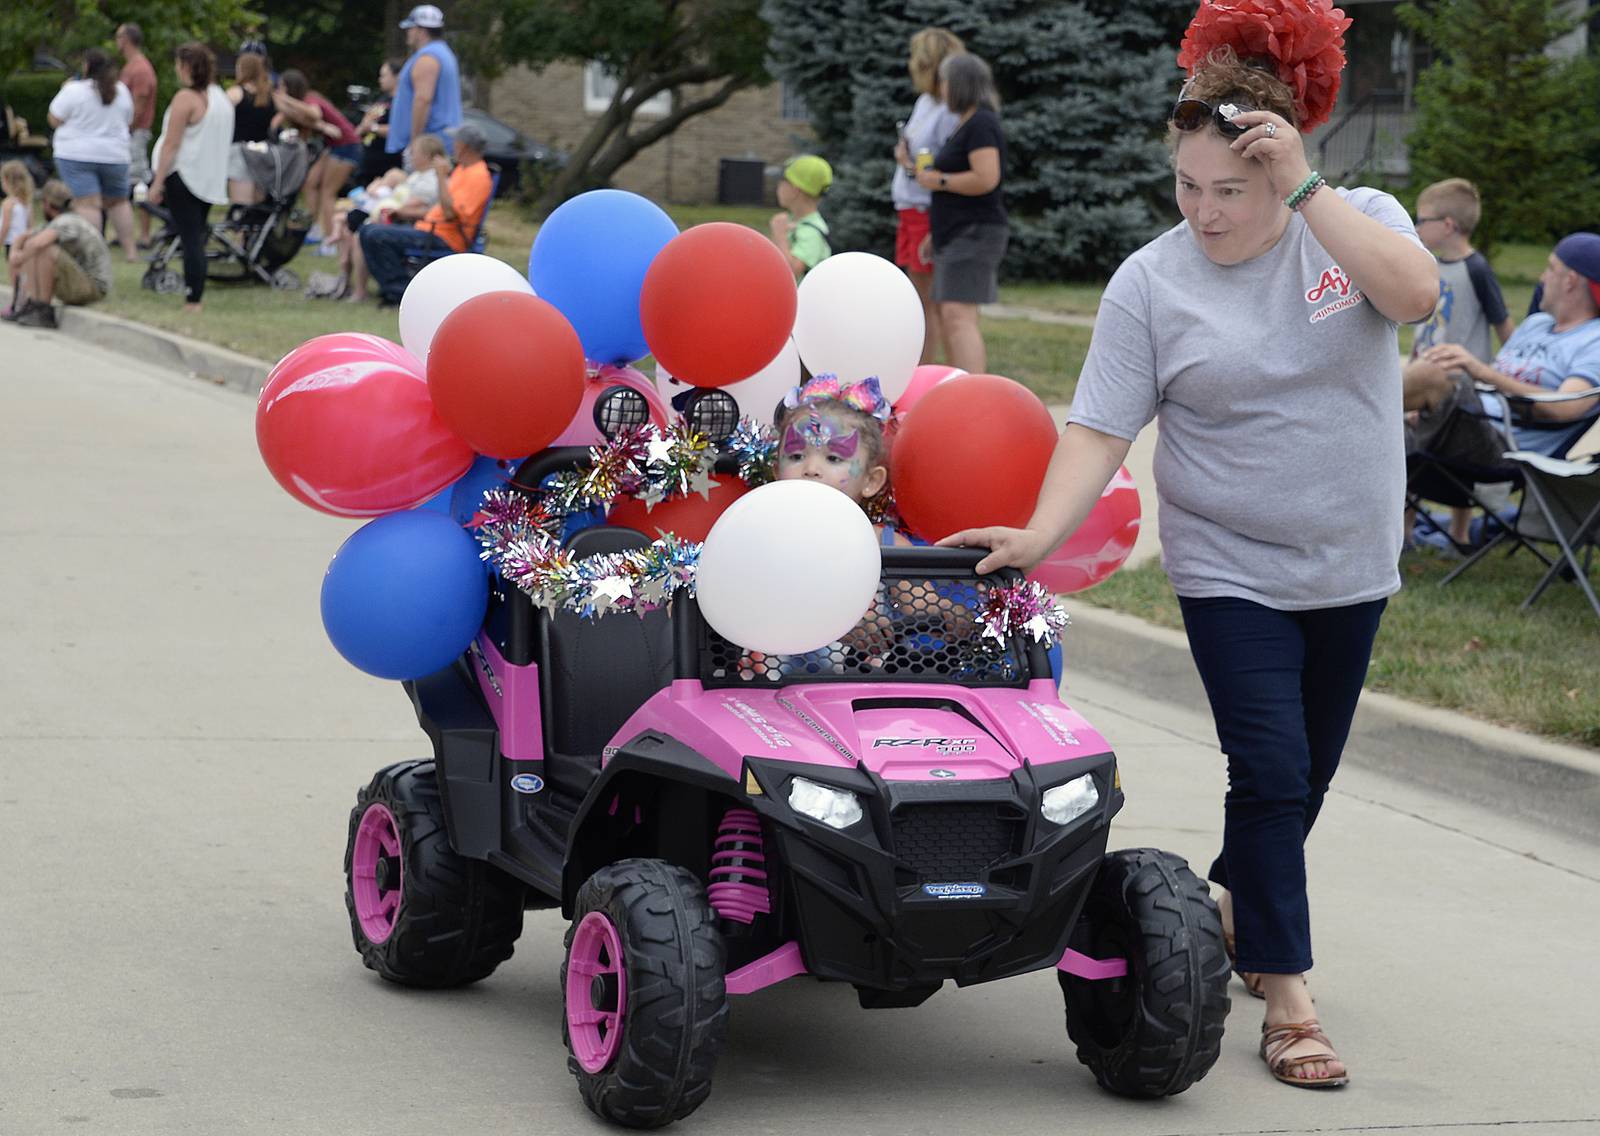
[(449, 227), (1543, 388)]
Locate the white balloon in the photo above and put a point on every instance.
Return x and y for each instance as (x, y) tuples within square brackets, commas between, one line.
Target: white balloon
[(788, 568), (442, 286), (759, 395), (859, 315)]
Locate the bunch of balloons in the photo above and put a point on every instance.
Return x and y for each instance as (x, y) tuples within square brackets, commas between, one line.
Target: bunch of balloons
[(493, 366)]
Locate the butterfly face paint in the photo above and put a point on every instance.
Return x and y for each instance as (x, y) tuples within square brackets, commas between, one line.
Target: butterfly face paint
[(818, 448)]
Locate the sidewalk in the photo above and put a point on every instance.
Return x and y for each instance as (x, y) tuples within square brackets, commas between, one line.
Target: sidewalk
[(1550, 783)]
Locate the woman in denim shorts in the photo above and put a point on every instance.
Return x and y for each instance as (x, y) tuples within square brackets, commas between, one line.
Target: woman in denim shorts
[(91, 116)]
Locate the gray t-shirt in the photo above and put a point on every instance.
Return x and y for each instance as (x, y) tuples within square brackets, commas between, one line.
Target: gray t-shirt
[(1470, 304), (1280, 469)]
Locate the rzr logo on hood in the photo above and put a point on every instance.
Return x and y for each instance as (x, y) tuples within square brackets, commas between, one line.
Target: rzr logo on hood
[(939, 743)]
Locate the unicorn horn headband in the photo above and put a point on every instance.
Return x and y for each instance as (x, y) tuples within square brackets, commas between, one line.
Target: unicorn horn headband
[(866, 396)]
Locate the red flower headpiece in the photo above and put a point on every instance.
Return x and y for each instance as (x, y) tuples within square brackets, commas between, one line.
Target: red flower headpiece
[(1303, 38)]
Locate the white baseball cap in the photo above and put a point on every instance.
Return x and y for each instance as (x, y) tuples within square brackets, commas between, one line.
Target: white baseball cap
[(424, 16)]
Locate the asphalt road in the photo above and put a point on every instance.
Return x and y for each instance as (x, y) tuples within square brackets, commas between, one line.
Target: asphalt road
[(180, 747)]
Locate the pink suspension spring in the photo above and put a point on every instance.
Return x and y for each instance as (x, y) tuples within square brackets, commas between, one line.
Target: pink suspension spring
[(738, 888)]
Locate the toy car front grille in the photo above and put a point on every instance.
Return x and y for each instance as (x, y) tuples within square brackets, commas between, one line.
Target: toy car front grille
[(947, 843), (919, 629)]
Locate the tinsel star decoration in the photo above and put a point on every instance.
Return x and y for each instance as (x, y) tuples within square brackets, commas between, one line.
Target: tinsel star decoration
[(1026, 609)]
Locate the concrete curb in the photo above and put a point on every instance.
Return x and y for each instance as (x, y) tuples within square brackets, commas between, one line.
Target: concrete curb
[(162, 348), (1490, 765), (1514, 772)]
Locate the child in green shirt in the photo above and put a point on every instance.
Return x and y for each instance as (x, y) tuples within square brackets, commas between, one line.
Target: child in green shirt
[(799, 231)]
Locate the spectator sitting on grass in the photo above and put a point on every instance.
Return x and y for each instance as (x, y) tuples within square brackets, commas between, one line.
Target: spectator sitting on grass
[(449, 226), (799, 231), (1555, 349), (67, 260)]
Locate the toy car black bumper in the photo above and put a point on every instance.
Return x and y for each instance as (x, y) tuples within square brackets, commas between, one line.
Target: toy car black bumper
[(962, 880)]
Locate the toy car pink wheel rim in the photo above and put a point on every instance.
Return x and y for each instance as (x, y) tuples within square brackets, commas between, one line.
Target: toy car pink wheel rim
[(597, 992), (375, 872)]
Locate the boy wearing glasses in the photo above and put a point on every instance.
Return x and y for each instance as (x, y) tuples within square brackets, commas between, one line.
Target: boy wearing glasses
[(1470, 306)]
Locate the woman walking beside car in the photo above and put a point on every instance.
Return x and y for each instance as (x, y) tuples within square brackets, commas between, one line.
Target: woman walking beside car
[(1261, 332)]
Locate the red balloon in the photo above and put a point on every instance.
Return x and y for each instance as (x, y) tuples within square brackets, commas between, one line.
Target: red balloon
[(972, 452), (506, 371), (689, 518), (923, 380), (346, 425), (718, 303), (1100, 544)]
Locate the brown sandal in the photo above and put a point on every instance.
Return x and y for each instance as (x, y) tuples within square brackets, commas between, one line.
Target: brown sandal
[(1252, 982), (1276, 1039)]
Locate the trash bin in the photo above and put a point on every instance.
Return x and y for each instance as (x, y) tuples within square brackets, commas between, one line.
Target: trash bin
[(741, 181)]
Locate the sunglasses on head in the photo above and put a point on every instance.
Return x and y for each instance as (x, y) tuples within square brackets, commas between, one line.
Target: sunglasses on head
[(1189, 115)]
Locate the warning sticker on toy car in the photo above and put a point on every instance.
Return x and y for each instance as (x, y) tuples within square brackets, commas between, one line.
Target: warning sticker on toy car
[(763, 729), (1048, 716)]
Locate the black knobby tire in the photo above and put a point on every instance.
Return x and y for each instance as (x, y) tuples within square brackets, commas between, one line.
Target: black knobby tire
[(1159, 1030), (458, 918), (676, 1015)]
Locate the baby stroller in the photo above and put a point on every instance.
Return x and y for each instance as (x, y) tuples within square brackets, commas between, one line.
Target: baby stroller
[(250, 242)]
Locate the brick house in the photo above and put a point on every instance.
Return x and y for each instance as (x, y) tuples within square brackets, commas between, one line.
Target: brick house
[(559, 104)]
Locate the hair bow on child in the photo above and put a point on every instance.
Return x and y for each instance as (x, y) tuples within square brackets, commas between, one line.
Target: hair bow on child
[(865, 396)]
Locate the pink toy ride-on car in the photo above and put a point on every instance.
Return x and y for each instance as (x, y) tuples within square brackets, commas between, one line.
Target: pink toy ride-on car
[(894, 821)]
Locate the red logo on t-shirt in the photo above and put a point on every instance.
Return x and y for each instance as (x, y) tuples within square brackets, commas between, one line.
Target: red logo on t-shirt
[(1333, 279), (1336, 284)]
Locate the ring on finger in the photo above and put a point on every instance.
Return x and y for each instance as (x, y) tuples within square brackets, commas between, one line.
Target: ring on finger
[(1272, 130)]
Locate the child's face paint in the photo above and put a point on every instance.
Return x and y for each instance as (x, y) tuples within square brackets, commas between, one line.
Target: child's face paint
[(816, 448)]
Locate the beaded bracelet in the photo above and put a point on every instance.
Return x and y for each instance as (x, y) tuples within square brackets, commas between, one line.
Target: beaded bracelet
[(1304, 190)]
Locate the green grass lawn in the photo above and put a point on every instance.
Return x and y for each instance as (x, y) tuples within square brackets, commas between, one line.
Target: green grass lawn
[(1466, 647)]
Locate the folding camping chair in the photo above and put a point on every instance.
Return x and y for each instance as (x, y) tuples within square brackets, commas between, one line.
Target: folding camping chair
[(1567, 495), (1537, 518)]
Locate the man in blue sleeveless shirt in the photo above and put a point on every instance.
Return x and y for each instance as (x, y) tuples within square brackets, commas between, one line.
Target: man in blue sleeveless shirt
[(427, 96)]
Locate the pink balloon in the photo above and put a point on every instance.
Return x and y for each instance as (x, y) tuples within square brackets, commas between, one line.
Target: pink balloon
[(923, 380), (346, 425), (582, 431), (1100, 545)]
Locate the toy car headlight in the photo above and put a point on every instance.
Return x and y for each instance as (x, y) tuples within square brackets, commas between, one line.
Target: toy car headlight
[(836, 808), (1063, 804)]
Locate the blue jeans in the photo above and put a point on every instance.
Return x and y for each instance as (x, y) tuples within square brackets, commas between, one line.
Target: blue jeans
[(385, 247), (1283, 687)]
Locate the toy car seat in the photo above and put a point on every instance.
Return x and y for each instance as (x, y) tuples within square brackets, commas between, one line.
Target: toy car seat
[(594, 673)]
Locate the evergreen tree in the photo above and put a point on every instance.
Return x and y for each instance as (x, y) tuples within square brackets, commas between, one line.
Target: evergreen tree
[(1085, 88), (1500, 108)]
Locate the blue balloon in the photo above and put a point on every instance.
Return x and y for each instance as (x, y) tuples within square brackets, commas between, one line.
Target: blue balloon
[(484, 474), (405, 594), (589, 260), (439, 502)]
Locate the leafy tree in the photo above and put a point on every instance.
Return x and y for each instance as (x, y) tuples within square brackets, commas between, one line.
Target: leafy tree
[(701, 53), (1501, 108), (65, 28), (1085, 87)]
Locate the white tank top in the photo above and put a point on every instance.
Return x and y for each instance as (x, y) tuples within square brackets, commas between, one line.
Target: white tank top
[(203, 154), (18, 223)]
